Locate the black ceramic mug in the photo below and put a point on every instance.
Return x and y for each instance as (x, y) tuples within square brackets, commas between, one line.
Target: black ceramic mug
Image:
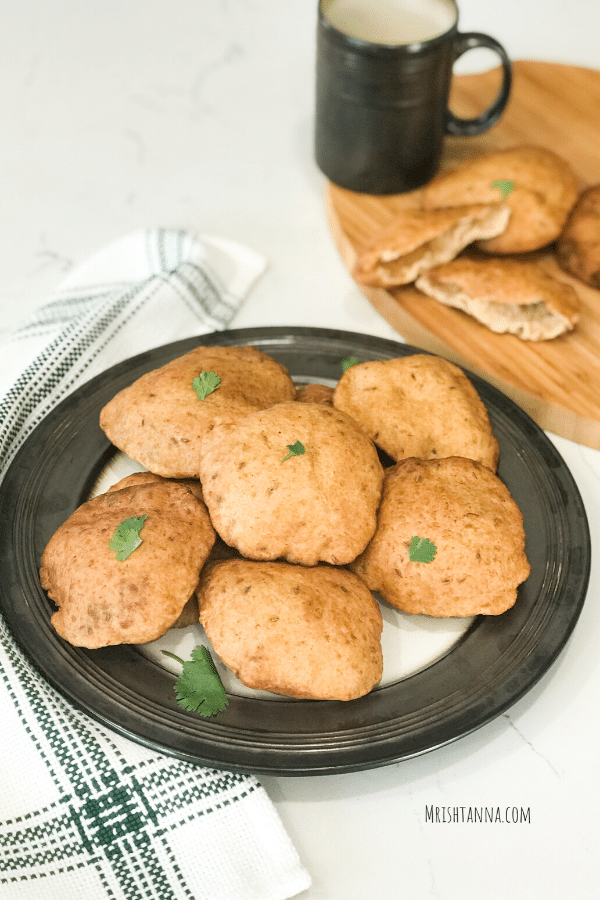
[(383, 77)]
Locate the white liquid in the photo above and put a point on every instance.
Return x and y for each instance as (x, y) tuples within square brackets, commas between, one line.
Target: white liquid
[(391, 22)]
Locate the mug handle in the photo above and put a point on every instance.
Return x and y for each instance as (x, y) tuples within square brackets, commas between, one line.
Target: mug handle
[(456, 125)]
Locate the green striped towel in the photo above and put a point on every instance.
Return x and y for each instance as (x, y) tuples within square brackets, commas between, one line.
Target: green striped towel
[(84, 812)]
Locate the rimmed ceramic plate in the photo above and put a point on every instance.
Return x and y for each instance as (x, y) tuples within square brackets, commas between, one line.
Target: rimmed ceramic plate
[(487, 668)]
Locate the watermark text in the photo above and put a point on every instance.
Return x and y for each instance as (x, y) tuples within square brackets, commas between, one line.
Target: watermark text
[(500, 815)]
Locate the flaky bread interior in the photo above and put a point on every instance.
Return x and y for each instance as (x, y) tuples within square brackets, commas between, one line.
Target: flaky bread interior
[(508, 297), (418, 240)]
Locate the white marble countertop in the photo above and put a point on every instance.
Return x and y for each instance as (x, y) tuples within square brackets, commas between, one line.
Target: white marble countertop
[(198, 115)]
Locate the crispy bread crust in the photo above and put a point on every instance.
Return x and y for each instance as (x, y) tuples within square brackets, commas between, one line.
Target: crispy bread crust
[(320, 505), (312, 633), (159, 420), (418, 405), (544, 191), (476, 526), (578, 248), (104, 601)]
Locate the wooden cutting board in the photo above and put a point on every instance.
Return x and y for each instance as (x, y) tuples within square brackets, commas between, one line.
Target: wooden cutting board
[(557, 382)]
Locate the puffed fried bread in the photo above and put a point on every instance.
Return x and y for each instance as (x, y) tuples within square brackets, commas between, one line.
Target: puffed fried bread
[(135, 479), (506, 295), (138, 478), (102, 600), (314, 393), (418, 239), (537, 185), (189, 613), (418, 405), (578, 247), (310, 633), (159, 420), (469, 515), (297, 481)]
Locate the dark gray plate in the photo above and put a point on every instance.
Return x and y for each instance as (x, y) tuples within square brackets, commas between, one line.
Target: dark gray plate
[(492, 666)]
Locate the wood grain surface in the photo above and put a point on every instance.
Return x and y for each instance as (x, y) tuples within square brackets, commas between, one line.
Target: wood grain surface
[(557, 382)]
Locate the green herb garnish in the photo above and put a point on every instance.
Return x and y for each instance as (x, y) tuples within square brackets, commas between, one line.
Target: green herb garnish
[(421, 550), (199, 688), (349, 362), (127, 536), (205, 383), (295, 449), (505, 187)]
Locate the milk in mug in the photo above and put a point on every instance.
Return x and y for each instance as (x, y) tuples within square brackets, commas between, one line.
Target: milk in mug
[(391, 22)]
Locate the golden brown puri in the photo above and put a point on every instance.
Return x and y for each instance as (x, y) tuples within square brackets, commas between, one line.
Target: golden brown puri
[(418, 405), (219, 550), (314, 393), (418, 239), (138, 478), (103, 600), (135, 479), (477, 528), (540, 190), (312, 633), (159, 420), (506, 295), (578, 247), (319, 504)]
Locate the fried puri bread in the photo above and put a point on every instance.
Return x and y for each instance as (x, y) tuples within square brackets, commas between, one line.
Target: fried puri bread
[(189, 613), (538, 187), (311, 633), (418, 239), (298, 481), (468, 514), (418, 405), (508, 296), (314, 393), (139, 478), (578, 248), (159, 420), (135, 479), (219, 550), (103, 600)]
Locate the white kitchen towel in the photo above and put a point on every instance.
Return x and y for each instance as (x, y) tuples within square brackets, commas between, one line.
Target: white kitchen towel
[(85, 812)]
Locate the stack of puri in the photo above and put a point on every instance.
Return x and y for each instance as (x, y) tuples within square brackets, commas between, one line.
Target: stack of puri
[(270, 518), (475, 240)]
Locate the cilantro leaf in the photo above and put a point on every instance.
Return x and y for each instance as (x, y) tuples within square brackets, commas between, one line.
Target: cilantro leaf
[(296, 449), (205, 383), (199, 688), (348, 362), (505, 187), (421, 550), (127, 536)]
